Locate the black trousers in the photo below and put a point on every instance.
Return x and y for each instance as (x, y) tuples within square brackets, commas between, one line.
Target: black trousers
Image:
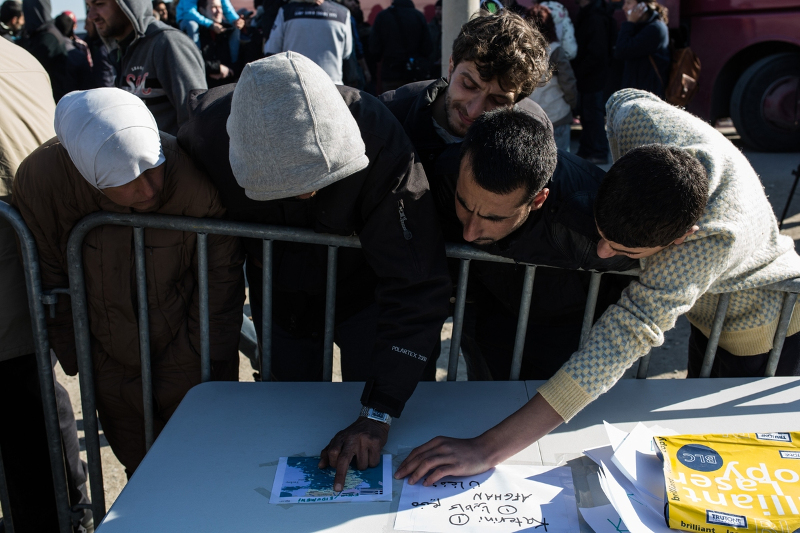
[(727, 365), (487, 343), (297, 358), (23, 444)]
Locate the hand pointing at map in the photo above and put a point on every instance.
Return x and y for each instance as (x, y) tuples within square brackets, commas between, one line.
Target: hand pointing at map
[(363, 439)]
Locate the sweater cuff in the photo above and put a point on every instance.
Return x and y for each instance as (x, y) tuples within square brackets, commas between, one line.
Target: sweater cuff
[(564, 395)]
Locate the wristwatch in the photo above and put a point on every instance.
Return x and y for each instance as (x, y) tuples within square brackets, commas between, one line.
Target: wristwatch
[(374, 414)]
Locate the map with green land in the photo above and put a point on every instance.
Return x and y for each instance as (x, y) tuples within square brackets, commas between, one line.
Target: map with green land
[(300, 480)]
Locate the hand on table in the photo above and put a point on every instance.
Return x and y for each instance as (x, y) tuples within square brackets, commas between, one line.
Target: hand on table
[(363, 439), (444, 456)]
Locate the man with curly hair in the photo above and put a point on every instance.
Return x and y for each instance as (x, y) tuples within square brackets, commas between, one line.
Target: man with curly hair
[(532, 212)]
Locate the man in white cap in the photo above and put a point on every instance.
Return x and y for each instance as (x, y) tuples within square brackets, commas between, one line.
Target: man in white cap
[(108, 155), (290, 148)]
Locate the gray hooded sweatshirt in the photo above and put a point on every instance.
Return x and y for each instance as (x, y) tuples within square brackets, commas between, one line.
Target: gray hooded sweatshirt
[(161, 65)]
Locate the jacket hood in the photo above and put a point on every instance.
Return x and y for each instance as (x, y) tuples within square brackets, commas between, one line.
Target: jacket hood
[(403, 3), (140, 13), (109, 134), (290, 131), (636, 118), (37, 14)]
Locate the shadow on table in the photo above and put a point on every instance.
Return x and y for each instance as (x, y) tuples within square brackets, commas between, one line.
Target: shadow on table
[(632, 401)]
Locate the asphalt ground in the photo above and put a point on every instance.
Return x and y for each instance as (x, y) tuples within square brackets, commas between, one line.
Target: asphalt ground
[(667, 361)]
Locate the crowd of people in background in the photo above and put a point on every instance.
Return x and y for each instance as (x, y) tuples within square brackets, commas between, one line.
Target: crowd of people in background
[(591, 56)]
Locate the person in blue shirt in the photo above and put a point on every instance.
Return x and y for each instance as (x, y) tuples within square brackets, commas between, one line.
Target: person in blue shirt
[(190, 20)]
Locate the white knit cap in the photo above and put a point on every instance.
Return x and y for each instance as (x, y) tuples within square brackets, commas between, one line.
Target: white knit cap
[(109, 134), (290, 131)]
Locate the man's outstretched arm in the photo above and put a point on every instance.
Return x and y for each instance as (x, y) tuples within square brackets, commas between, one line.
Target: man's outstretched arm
[(446, 456)]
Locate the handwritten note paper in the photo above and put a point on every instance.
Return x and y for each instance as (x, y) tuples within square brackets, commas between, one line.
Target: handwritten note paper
[(505, 499)]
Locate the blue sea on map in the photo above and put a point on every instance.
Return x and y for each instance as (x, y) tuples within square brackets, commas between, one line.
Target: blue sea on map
[(304, 479)]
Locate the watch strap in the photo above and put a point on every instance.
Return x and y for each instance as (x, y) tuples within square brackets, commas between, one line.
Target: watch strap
[(374, 414)]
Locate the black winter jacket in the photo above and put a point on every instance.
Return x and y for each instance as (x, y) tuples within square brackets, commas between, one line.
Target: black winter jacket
[(561, 234), (636, 44), (399, 32), (401, 265), (593, 29)]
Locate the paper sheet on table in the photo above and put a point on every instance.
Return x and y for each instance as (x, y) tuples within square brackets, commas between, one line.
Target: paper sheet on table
[(506, 498), (615, 435), (635, 514), (299, 480), (509, 498), (603, 519), (603, 455), (636, 459)]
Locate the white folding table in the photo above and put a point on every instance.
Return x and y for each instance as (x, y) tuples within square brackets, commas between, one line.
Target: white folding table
[(212, 467)]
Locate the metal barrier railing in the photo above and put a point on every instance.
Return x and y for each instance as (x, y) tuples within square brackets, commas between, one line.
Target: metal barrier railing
[(30, 261), (268, 234)]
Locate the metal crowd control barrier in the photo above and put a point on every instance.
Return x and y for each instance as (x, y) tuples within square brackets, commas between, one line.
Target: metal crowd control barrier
[(33, 282), (268, 234)]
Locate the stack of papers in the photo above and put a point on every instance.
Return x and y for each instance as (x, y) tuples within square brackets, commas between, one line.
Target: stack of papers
[(632, 479)]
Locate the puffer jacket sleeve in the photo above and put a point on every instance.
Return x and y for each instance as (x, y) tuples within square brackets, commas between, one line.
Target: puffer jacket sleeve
[(41, 207)]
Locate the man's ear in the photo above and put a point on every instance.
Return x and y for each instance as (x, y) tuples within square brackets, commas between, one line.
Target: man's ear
[(539, 199), (693, 230), (450, 70)]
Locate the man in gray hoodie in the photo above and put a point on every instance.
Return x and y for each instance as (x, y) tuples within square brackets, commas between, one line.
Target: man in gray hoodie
[(156, 62), (287, 147)]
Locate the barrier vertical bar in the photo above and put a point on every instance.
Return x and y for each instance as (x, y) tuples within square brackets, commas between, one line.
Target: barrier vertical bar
[(5, 503), (644, 366), (80, 319), (144, 336), (789, 299), (458, 320), (202, 278), (591, 305), (266, 306), (522, 322), (713, 338), (330, 315)]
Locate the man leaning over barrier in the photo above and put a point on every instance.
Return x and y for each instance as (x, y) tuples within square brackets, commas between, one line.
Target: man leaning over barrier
[(686, 203), (496, 63), (109, 156), (302, 152)]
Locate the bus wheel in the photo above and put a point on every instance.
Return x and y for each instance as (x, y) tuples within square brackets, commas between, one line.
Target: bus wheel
[(765, 105)]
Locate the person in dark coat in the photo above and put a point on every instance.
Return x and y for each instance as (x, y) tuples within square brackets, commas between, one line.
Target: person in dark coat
[(67, 66), (400, 35), (103, 72), (435, 29), (349, 171), (591, 66), (12, 21), (552, 233), (643, 44)]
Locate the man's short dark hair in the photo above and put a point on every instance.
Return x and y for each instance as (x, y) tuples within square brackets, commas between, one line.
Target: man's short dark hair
[(505, 47), (651, 196), (9, 10), (508, 150)]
